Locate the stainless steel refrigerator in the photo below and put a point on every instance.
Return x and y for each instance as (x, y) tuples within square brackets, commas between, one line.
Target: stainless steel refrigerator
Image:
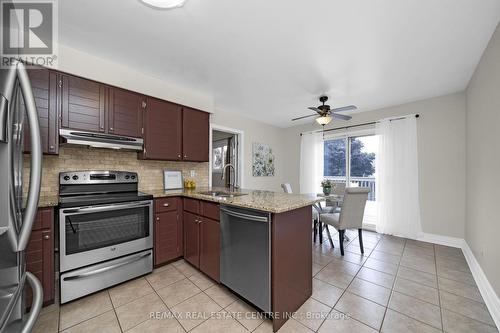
[(16, 218)]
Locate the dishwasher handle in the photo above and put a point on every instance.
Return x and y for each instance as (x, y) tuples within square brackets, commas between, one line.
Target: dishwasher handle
[(250, 217)]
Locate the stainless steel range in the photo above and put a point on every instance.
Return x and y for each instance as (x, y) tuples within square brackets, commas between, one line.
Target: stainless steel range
[(105, 231)]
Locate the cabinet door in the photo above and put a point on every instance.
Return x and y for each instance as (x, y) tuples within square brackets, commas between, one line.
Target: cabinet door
[(210, 248), (83, 104), (44, 83), (40, 261), (191, 239), (167, 245), (162, 131), (195, 135), (125, 113)]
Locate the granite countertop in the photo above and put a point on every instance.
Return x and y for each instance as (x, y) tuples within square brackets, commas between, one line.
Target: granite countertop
[(48, 201), (268, 201), (45, 201)]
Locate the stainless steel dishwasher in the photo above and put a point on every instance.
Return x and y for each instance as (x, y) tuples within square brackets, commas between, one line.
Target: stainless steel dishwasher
[(245, 262)]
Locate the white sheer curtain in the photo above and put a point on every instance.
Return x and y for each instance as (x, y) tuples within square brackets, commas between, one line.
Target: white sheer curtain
[(397, 183), (311, 162)]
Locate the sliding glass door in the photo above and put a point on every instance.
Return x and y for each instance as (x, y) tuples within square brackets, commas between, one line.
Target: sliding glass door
[(351, 160)]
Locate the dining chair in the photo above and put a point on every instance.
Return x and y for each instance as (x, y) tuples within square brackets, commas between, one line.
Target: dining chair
[(287, 188), (350, 216)]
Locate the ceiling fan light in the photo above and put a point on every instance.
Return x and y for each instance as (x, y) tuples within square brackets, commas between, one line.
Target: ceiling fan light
[(324, 120), (165, 4)]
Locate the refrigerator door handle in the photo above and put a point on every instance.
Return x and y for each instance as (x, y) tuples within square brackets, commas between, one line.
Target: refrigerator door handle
[(36, 159), (36, 305)]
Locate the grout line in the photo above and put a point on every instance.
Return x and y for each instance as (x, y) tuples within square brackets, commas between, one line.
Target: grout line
[(97, 292), (161, 299)]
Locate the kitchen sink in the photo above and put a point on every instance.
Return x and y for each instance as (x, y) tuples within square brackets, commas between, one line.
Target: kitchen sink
[(222, 194)]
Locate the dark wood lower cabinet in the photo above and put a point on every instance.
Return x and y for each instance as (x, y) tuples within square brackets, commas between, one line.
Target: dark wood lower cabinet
[(168, 233), (202, 236), (210, 248), (40, 253), (191, 239)]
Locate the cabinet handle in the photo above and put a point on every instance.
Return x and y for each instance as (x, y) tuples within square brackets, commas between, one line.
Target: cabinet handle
[(185, 156), (166, 204), (179, 156), (51, 148), (157, 218), (143, 104), (111, 129), (46, 237)]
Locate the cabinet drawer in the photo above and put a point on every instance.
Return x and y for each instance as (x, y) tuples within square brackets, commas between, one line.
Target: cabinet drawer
[(192, 205), (166, 204), (210, 210)]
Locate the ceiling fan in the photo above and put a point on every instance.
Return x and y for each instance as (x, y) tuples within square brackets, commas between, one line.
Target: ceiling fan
[(325, 114)]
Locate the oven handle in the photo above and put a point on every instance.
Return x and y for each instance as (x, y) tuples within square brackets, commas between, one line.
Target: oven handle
[(108, 268), (92, 209)]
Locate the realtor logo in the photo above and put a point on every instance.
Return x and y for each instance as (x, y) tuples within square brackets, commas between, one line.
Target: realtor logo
[(29, 32)]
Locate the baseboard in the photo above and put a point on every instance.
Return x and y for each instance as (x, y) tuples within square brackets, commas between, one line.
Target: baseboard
[(490, 297), (441, 240)]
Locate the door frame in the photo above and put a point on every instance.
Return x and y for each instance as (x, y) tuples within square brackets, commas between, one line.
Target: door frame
[(241, 145)]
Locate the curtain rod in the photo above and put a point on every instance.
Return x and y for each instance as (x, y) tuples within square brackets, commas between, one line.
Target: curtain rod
[(351, 126)]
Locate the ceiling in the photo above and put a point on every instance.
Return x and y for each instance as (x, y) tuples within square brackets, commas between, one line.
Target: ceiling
[(269, 60)]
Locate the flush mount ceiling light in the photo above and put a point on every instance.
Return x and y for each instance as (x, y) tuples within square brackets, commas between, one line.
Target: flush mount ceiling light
[(165, 4)]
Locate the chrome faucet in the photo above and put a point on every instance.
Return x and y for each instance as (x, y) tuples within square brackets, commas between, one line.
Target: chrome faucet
[(224, 174)]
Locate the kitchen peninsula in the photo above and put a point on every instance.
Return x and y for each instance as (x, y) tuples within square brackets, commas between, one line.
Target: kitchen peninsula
[(290, 259)]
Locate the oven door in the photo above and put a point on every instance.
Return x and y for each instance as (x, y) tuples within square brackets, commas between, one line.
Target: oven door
[(89, 235)]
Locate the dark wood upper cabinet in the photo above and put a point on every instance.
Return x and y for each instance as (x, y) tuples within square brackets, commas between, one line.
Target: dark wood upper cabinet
[(191, 239), (44, 85), (162, 131), (83, 104), (210, 247), (125, 113), (195, 135)]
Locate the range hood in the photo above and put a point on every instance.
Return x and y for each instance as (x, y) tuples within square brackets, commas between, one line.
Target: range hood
[(98, 140)]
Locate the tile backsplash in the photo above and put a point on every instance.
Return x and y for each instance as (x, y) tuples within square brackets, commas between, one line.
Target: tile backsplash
[(80, 158)]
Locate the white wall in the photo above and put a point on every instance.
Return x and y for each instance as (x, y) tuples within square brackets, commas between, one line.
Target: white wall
[(441, 148), (255, 131), (483, 162), (86, 65)]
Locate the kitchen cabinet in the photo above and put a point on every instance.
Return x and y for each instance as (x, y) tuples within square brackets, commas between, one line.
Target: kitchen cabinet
[(40, 252), (44, 84), (210, 247), (83, 104), (191, 239), (195, 135), (125, 112), (202, 236), (162, 131), (168, 230)]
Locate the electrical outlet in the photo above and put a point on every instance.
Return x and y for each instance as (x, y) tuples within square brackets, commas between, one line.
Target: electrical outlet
[(193, 173)]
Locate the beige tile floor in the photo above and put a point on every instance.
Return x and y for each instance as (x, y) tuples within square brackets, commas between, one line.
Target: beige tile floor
[(398, 285)]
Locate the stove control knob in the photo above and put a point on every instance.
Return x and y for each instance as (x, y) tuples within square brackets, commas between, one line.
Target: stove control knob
[(75, 177), (66, 178), (133, 177), (127, 177)]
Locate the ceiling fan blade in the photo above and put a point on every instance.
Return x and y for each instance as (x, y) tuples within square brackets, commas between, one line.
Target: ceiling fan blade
[(315, 109), (311, 115), (345, 108), (340, 116)]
